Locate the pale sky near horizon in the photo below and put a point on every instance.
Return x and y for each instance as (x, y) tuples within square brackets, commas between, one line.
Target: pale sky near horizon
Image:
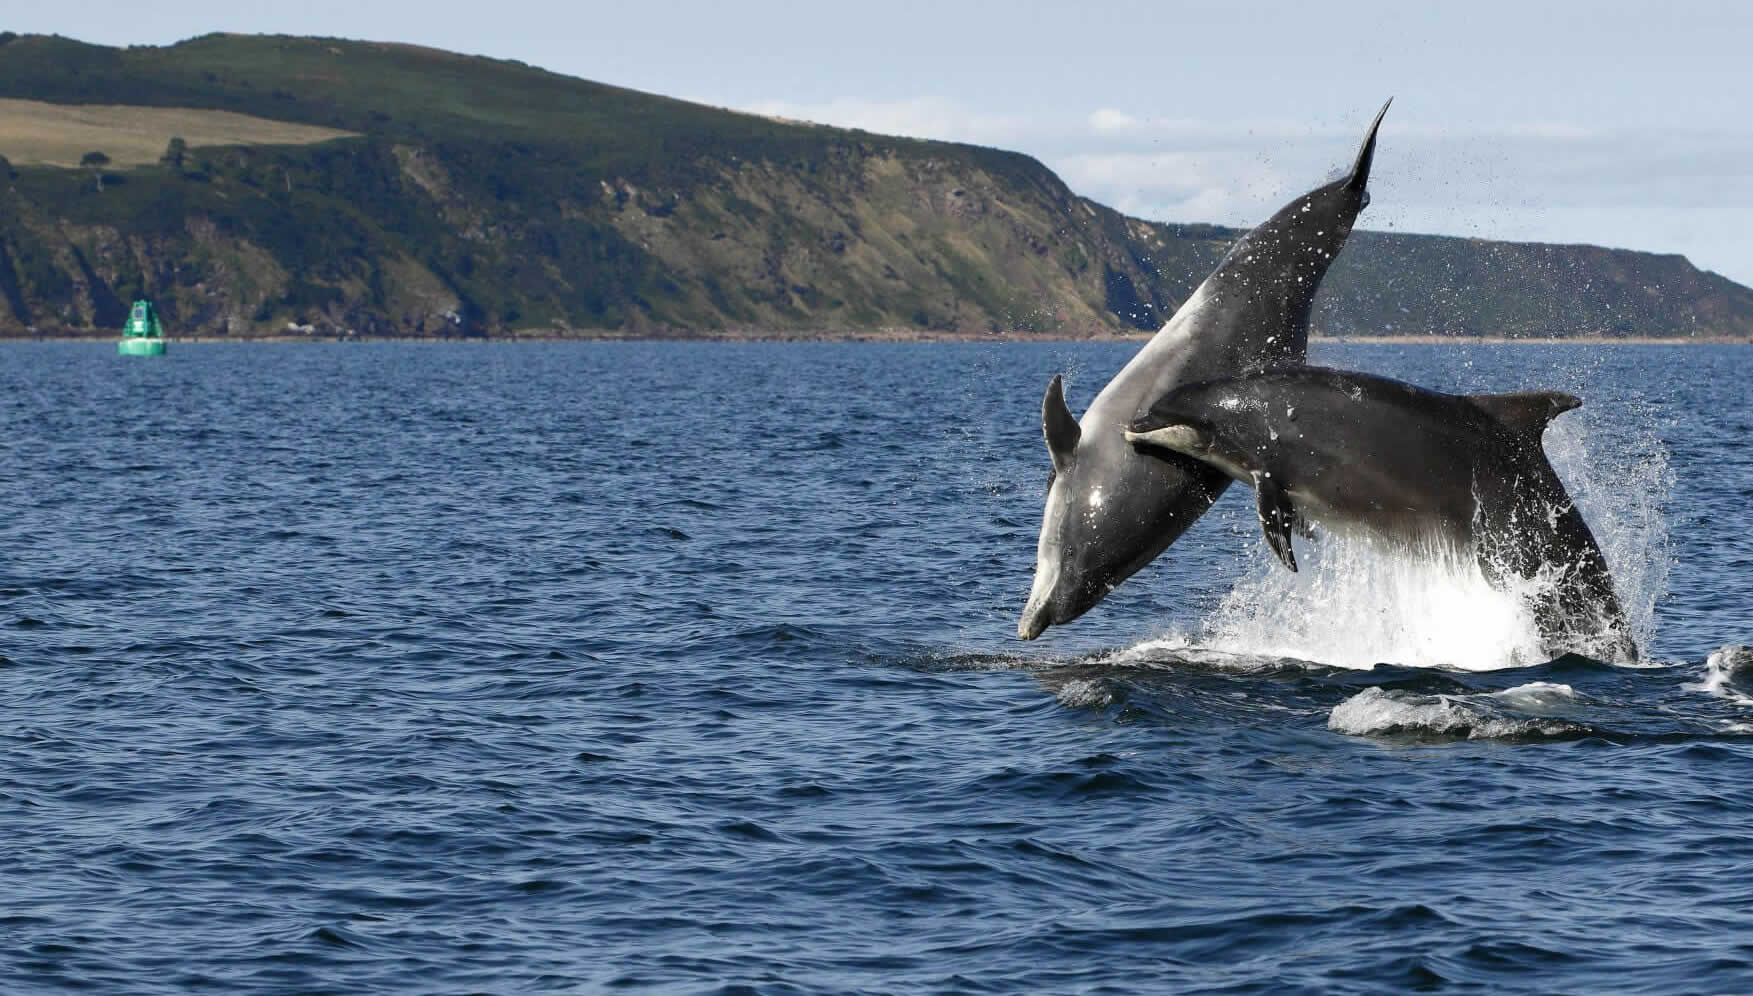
[(1624, 124)]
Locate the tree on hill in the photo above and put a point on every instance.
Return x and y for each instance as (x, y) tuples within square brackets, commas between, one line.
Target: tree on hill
[(6, 170), (174, 153), (95, 161)]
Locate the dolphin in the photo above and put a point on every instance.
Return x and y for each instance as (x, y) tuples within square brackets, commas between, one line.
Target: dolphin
[(1110, 510), (1444, 473)]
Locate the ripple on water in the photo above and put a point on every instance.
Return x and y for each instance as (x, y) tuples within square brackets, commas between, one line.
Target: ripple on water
[(394, 662)]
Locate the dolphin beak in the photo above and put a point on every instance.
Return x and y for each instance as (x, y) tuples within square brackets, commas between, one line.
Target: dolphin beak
[(1360, 170), (1038, 610), (1179, 438)]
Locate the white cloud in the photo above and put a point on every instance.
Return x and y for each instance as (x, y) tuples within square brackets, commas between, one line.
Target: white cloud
[(1174, 186), (1557, 131), (1546, 180), (918, 117), (1107, 119)]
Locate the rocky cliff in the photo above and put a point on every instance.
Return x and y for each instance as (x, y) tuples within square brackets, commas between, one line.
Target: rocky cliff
[(481, 197)]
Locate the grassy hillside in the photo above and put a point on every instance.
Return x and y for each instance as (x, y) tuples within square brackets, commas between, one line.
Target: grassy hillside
[(34, 133), (479, 196), (405, 93)]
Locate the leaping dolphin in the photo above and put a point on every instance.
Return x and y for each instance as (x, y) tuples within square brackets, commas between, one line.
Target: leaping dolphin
[(1110, 510), (1439, 472)]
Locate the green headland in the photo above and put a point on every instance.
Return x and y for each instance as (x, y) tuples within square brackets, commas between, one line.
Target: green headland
[(266, 186)]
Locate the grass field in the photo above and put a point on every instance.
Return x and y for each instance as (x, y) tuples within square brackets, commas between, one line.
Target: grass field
[(36, 133)]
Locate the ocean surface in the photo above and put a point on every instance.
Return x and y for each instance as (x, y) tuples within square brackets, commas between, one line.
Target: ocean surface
[(692, 668)]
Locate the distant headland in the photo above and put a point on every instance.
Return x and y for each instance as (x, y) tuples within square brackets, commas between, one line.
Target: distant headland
[(315, 188)]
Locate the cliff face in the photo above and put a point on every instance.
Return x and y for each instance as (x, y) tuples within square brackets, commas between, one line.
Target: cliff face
[(383, 238), (486, 197)]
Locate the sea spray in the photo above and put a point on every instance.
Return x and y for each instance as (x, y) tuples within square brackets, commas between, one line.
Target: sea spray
[(1358, 601), (1616, 468), (1721, 669)]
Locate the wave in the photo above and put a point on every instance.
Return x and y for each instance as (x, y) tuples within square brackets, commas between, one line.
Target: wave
[(1536, 710), (1178, 685), (1721, 669)]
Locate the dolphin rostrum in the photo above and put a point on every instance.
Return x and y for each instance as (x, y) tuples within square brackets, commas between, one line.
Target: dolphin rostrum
[(1435, 472), (1110, 510)]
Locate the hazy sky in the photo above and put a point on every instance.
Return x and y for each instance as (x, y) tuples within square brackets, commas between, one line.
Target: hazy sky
[(1616, 123)]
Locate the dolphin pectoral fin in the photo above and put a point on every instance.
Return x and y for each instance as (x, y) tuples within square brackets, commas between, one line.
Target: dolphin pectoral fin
[(1527, 412), (1276, 517)]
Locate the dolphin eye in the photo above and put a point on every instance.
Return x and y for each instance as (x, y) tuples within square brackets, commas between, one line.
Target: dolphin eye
[(1052, 475)]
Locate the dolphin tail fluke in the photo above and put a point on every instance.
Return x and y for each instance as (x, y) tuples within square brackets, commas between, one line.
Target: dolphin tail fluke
[(1360, 170)]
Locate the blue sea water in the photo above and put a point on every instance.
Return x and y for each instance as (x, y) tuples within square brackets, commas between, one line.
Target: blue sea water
[(665, 667)]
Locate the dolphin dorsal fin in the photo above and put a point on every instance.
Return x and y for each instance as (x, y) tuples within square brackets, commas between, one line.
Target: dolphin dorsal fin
[(1528, 412), (1059, 426), (1360, 169)]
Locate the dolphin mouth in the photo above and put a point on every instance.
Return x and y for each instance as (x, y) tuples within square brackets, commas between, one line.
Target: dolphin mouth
[(1038, 609), (1179, 438), (1055, 609), (1037, 615)]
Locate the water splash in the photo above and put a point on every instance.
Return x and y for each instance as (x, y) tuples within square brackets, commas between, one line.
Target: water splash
[(1357, 602), (1724, 665), (1616, 467)]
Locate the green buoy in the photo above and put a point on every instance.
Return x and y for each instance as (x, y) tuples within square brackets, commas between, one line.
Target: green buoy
[(142, 335)]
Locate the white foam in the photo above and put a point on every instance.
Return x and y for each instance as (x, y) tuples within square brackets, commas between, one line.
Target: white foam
[(1720, 670), (1080, 692), (1181, 647), (1376, 711), (1379, 712), (1536, 695), (1356, 603)]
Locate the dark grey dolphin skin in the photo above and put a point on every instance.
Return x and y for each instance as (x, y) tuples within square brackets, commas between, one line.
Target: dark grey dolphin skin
[(1111, 510), (1465, 473)]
